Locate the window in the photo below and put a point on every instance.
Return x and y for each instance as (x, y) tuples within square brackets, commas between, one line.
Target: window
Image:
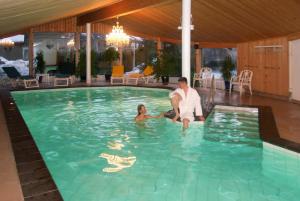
[(214, 58), (16, 55)]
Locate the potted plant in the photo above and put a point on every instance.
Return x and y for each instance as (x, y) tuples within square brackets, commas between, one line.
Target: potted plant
[(227, 68), (109, 55), (40, 64), (81, 67), (163, 66)]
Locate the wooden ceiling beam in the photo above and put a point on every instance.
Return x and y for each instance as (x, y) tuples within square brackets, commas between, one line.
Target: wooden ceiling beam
[(217, 45), (121, 8)]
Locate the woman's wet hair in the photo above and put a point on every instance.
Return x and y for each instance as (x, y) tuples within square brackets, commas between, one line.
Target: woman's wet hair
[(139, 107)]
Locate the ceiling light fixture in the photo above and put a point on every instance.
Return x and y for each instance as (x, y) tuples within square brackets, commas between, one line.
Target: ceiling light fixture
[(7, 43), (71, 43), (117, 37)]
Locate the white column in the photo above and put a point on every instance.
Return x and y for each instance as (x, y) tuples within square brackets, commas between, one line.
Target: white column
[(88, 53), (186, 39), (158, 46)]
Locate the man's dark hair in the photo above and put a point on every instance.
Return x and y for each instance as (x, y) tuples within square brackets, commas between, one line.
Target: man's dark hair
[(182, 79)]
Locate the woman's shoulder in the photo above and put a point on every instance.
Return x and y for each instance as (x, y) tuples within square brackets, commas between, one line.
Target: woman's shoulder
[(138, 118)]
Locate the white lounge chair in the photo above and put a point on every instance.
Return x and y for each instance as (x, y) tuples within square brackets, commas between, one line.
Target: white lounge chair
[(242, 80), (203, 77), (62, 80), (146, 76), (16, 77)]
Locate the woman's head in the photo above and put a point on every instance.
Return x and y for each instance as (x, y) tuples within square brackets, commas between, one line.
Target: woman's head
[(141, 109)]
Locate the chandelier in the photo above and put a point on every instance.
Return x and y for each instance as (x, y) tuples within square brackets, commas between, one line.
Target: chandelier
[(117, 37), (71, 43), (6, 43)]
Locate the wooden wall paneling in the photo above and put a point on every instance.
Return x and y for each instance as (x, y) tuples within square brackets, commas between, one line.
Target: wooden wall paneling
[(269, 65), (242, 56), (284, 68), (254, 65), (270, 84), (259, 77)]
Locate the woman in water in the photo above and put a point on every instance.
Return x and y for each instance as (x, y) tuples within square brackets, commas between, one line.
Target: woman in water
[(142, 114)]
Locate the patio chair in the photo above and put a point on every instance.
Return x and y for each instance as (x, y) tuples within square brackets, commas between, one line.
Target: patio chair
[(134, 77), (15, 78), (148, 74), (117, 74), (203, 77), (243, 79)]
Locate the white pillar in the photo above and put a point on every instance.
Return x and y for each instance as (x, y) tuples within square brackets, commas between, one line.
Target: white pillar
[(88, 53), (158, 46), (186, 39)]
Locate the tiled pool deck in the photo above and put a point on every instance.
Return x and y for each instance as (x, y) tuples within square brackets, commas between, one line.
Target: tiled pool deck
[(37, 184)]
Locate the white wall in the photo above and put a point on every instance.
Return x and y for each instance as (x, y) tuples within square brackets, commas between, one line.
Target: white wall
[(294, 62)]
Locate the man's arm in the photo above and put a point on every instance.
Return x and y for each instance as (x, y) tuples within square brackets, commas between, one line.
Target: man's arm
[(176, 91), (198, 107)]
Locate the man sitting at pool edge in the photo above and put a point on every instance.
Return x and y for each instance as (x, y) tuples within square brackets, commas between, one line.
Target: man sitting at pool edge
[(185, 101)]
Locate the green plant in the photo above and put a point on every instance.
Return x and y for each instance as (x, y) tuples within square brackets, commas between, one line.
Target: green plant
[(227, 68), (110, 55), (166, 63), (157, 67), (81, 67), (40, 63)]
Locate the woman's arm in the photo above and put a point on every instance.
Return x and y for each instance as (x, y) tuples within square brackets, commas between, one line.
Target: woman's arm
[(156, 117)]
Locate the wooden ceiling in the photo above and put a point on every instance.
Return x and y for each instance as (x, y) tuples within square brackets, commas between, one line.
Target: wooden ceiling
[(16, 15), (219, 21), (229, 21)]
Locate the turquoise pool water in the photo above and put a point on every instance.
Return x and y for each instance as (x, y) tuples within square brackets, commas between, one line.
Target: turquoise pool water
[(95, 151)]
